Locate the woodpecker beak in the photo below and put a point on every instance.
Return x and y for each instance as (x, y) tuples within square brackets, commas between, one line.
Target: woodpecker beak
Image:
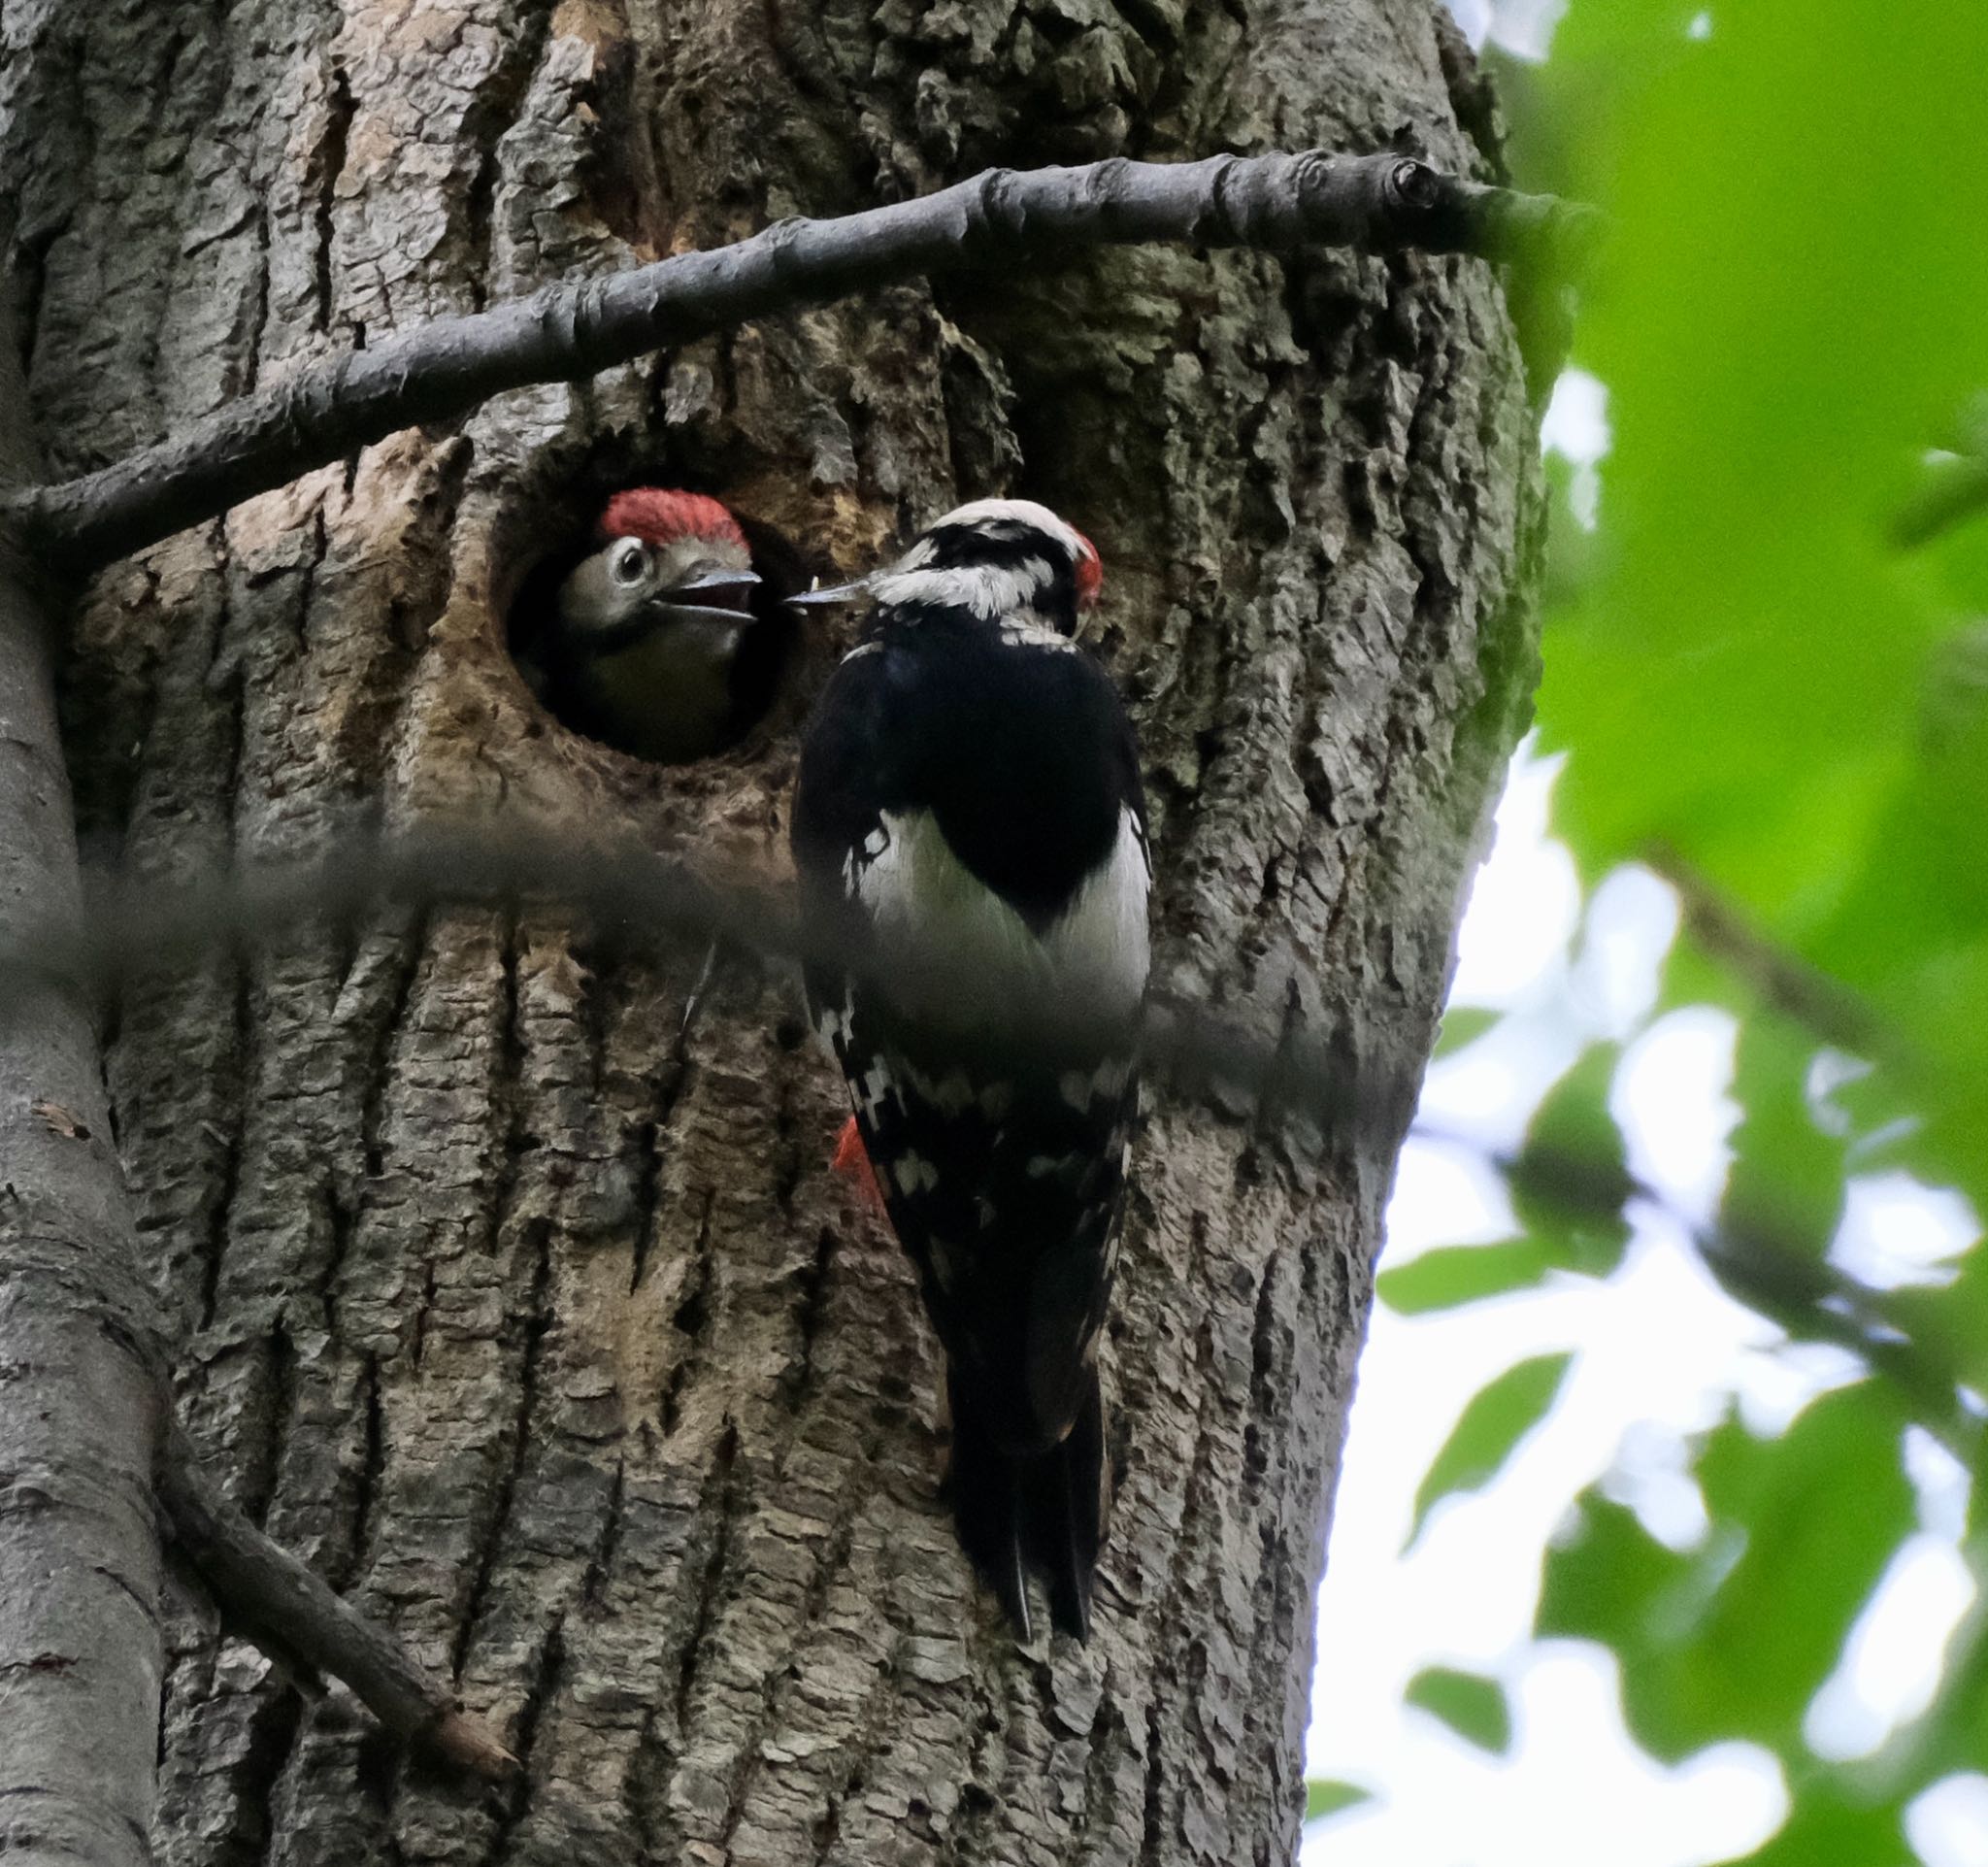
[(823, 599), (716, 596)]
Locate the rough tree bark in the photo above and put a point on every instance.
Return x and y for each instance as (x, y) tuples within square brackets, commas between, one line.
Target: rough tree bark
[(540, 1329)]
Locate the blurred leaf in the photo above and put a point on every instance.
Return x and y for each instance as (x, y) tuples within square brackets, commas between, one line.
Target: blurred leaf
[(1472, 1706), (1441, 1280), (1733, 1639), (1570, 1183), (1324, 1797), (1787, 1179), (1754, 673), (1498, 1417), (1824, 1827), (1463, 1024)]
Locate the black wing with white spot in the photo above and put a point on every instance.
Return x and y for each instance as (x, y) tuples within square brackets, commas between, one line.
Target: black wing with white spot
[(968, 794)]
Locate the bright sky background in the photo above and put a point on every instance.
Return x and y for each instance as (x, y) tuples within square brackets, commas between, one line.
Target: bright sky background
[(1660, 1351)]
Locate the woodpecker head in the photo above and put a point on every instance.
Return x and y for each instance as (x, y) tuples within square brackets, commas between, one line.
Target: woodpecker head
[(995, 557), (645, 638)]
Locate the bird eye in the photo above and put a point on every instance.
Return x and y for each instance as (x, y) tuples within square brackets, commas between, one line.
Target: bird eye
[(630, 561)]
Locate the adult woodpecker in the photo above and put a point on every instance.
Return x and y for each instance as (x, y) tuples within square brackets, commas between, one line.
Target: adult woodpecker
[(969, 829), (643, 646)]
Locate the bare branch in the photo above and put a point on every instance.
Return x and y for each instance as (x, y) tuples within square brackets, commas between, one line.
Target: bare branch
[(290, 1612), (1248, 1067), (440, 370)]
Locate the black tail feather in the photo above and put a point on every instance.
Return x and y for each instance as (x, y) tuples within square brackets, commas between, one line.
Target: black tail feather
[(1044, 1511)]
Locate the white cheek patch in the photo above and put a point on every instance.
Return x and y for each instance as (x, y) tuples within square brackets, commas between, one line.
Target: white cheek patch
[(987, 590)]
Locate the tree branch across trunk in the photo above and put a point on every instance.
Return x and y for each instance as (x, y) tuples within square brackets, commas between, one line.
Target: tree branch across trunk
[(445, 368), (265, 1593)]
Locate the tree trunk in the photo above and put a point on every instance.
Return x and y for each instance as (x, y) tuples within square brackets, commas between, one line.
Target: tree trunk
[(542, 1331)]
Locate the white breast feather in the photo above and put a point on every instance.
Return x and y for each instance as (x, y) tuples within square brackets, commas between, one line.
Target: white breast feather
[(919, 896)]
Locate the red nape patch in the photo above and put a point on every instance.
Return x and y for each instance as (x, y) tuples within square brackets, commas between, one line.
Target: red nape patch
[(852, 1162), (658, 516), (1090, 573)]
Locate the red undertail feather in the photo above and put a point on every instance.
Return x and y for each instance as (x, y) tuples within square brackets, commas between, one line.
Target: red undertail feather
[(853, 1164)]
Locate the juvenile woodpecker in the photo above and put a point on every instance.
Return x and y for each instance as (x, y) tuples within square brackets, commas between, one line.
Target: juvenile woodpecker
[(969, 823), (643, 649)]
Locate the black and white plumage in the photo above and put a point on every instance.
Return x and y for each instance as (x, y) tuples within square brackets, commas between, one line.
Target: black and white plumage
[(970, 819)]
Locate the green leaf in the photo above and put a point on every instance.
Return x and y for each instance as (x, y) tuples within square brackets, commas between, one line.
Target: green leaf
[(1463, 1024), (1733, 1639), (1472, 1706), (1324, 1797), (1459, 1274), (1786, 1186), (1826, 1826), (1490, 1427), (1570, 1183)]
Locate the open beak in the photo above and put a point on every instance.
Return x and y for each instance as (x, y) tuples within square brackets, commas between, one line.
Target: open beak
[(715, 595)]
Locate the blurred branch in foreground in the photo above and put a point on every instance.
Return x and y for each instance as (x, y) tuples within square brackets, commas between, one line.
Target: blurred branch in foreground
[(635, 897), (1263, 1067)]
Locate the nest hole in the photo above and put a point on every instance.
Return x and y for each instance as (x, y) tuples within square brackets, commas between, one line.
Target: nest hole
[(648, 679)]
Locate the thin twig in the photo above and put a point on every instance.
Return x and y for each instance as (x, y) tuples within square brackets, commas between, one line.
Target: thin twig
[(442, 369), (1826, 1005), (292, 1613), (1789, 1285)]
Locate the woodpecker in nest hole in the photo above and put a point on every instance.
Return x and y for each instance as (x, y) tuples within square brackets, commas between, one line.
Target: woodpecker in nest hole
[(969, 821), (647, 643)]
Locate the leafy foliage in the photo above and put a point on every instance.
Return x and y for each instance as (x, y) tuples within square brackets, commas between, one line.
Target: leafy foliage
[(1767, 663)]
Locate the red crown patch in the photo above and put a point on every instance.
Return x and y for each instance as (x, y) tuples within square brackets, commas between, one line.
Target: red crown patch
[(658, 516)]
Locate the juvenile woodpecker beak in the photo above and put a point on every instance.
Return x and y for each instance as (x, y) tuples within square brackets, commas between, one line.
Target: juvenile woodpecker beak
[(822, 599), (718, 585)]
